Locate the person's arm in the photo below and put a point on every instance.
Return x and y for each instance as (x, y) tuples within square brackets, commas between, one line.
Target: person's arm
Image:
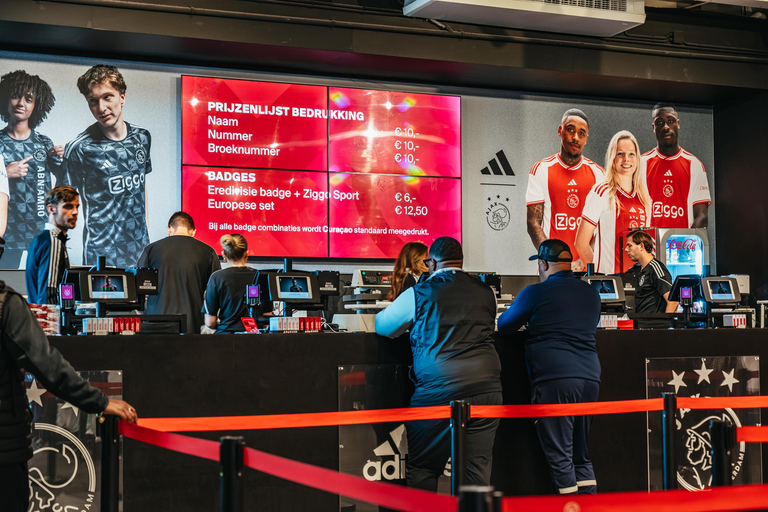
[(211, 304), (397, 317), (700, 215), (583, 242), (517, 314), (534, 216), (5, 192), (671, 306), (144, 258), (28, 346)]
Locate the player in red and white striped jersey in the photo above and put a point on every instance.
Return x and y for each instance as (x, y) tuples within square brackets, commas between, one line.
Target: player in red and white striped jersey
[(616, 205), (676, 179), (558, 186)]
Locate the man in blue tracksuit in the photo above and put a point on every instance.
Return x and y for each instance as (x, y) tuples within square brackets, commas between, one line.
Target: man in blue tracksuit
[(47, 256), (562, 314)]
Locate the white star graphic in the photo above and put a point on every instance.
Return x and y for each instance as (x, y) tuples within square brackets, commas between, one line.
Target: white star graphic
[(34, 393), (703, 373), (677, 381), (68, 405), (729, 380)]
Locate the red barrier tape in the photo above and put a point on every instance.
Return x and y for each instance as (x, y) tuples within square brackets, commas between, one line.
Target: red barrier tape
[(184, 444), (721, 499), (319, 419), (326, 419), (752, 434), (379, 493)]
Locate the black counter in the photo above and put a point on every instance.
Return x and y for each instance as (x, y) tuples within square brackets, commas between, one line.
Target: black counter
[(193, 375)]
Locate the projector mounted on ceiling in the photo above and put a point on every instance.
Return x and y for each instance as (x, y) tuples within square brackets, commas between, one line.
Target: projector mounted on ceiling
[(602, 18)]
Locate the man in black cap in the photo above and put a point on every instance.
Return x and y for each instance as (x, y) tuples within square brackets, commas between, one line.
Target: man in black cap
[(451, 317), (562, 314)]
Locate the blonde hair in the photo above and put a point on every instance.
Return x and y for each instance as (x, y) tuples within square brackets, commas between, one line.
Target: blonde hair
[(234, 246), (639, 184), (409, 261)]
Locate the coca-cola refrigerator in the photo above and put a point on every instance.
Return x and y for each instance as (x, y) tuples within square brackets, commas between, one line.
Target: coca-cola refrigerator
[(683, 251)]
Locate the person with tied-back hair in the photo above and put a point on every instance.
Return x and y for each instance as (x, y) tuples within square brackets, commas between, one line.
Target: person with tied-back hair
[(451, 317), (184, 266), (409, 268), (224, 303), (618, 204), (31, 159)]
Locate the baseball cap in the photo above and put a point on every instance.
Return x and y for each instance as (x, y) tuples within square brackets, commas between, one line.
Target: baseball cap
[(550, 250)]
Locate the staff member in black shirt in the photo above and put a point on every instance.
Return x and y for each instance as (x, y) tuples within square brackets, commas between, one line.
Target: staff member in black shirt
[(654, 281), (224, 303), (184, 266)]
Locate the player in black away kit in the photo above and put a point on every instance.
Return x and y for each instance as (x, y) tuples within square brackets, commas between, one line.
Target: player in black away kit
[(108, 164), (30, 157)]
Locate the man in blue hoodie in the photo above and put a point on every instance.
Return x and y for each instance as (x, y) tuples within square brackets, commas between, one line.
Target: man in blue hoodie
[(562, 313)]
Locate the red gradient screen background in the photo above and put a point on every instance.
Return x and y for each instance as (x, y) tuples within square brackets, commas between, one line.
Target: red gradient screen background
[(403, 133), (358, 174), (301, 141), (405, 208)]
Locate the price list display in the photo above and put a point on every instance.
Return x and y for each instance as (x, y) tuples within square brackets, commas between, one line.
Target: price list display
[(400, 133), (372, 216), (317, 172), (279, 212), (242, 123)]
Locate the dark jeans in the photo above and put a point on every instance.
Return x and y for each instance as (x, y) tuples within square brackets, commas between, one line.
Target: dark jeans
[(429, 447), (564, 438), (14, 487)]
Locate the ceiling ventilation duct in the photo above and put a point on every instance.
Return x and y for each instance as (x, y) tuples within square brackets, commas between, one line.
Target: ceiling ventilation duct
[(602, 18)]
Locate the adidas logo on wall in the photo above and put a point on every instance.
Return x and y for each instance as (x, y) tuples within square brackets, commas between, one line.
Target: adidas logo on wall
[(668, 173), (572, 183), (500, 167)]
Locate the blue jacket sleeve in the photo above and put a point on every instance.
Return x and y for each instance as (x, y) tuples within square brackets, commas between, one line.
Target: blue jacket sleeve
[(36, 275), (518, 313)]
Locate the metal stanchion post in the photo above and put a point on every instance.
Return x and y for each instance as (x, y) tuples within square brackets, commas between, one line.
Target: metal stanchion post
[(459, 421), (668, 431), (721, 434), (231, 459), (110, 463), (476, 498), (497, 496)]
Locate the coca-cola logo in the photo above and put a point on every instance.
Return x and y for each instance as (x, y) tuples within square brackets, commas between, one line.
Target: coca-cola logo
[(688, 243)]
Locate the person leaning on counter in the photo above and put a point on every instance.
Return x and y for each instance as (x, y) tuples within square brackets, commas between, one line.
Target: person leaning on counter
[(562, 313), (654, 282), (451, 318)]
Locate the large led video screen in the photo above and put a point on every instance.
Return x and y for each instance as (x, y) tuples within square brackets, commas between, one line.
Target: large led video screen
[(313, 171), (401, 133), (371, 215)]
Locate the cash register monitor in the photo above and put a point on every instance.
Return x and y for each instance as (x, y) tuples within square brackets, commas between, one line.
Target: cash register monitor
[(720, 290), (687, 284), (294, 287), (610, 288), (110, 286)]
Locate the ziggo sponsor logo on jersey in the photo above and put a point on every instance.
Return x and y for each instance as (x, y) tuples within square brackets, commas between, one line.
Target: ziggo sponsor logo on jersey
[(564, 221), (119, 184), (667, 211)]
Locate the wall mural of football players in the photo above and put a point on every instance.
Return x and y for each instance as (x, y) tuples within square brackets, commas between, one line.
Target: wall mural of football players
[(677, 180), (108, 164), (558, 186), (619, 203), (31, 158)]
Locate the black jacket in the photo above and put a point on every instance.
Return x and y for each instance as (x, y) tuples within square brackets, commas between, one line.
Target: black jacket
[(24, 345)]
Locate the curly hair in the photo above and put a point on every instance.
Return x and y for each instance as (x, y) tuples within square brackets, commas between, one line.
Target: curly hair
[(101, 74), (18, 83)]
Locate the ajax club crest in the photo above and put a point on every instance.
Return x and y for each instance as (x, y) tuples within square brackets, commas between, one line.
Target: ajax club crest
[(668, 190), (497, 214), (573, 200)]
